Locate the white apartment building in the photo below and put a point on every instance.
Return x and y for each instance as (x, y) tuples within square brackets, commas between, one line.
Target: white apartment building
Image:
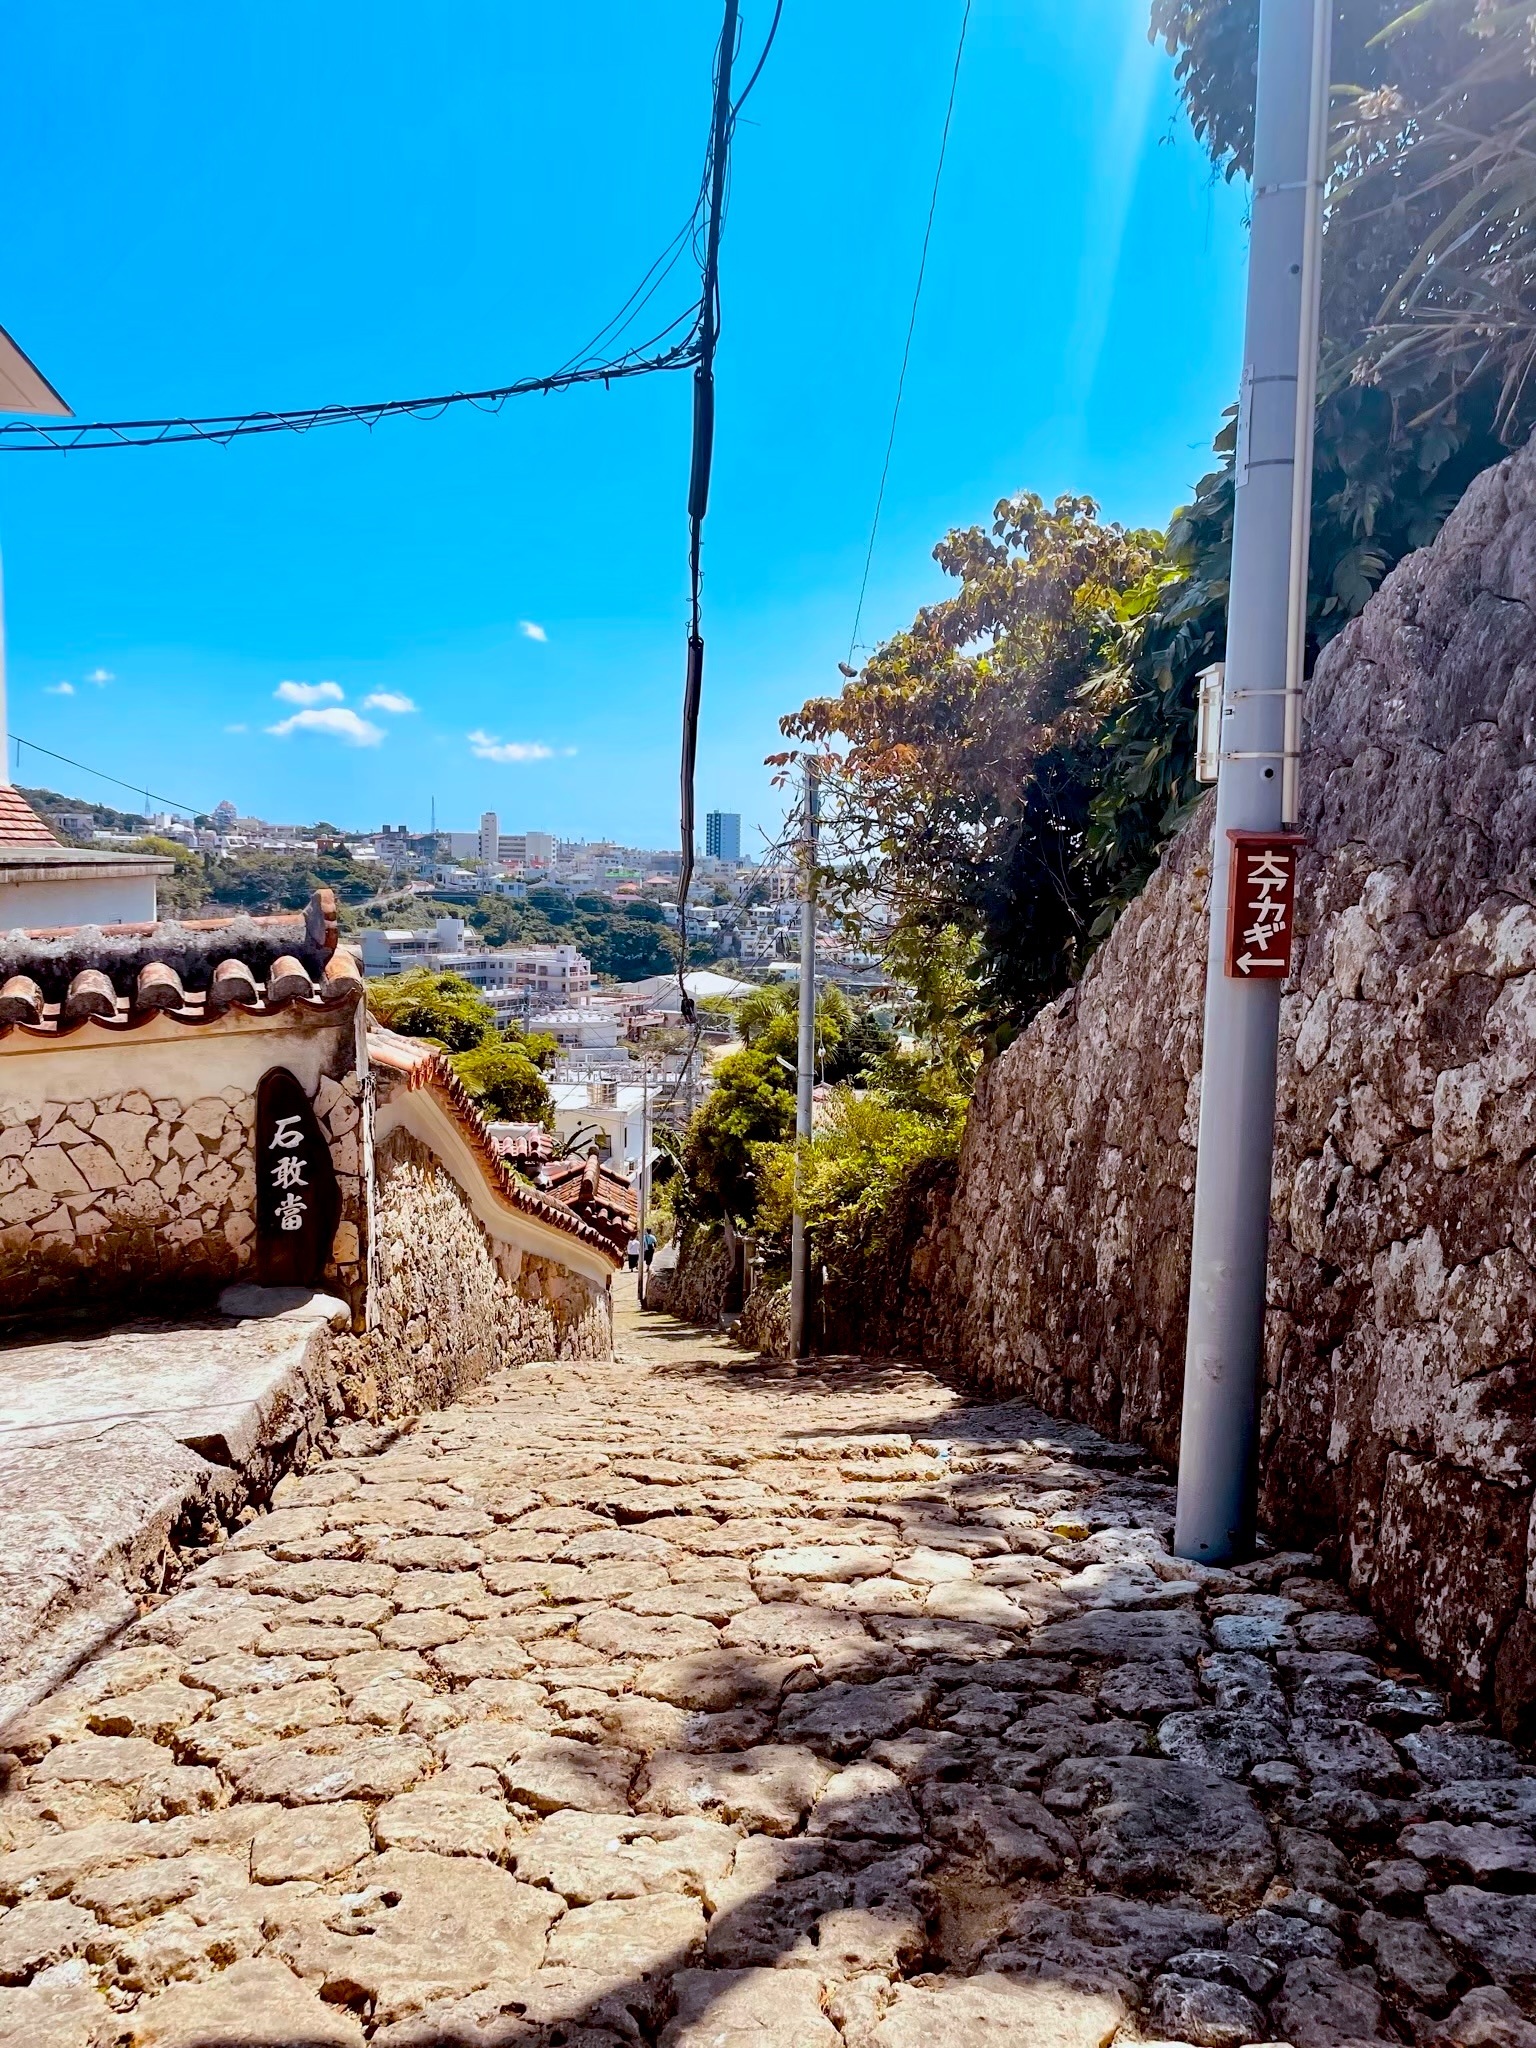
[(528, 849), (540, 977), (596, 1028), (607, 1114), (490, 839)]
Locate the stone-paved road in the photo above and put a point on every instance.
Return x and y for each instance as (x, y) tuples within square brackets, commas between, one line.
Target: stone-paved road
[(689, 1701)]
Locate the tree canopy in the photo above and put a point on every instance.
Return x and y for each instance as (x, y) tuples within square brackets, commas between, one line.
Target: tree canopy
[(1009, 768), (501, 1069), (964, 759)]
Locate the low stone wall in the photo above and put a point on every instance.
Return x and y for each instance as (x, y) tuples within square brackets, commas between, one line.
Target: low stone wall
[(152, 1200), (1399, 1420), (449, 1304), (702, 1280)]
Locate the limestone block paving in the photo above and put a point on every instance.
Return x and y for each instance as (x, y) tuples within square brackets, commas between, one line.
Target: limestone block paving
[(688, 1701)]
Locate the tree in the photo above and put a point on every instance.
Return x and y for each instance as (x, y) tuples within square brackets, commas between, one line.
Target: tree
[(442, 1007), (752, 1103), (505, 1083), (961, 765), (1428, 337)]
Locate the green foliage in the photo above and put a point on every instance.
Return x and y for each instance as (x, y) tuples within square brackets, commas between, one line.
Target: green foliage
[(865, 1150), (752, 1103), (1399, 434), (505, 1083), (961, 765), (501, 1069), (1011, 767), (442, 1007), (759, 1011)]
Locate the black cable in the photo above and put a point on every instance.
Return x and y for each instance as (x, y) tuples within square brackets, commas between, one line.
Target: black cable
[(762, 60), (698, 476), (34, 436), (192, 810), (39, 436), (906, 352)]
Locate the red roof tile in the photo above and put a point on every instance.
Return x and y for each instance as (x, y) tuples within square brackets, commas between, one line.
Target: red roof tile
[(19, 823), (425, 1066)]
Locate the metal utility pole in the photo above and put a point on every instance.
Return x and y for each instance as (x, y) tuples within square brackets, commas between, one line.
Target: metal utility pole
[(1250, 910), (805, 1072), (641, 1274)]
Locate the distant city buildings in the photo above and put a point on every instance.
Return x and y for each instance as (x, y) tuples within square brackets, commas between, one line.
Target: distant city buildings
[(722, 835), (518, 981)]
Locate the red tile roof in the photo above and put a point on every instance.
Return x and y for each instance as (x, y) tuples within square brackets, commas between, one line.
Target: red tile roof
[(19, 823), (420, 1065), (158, 990), (602, 1198)]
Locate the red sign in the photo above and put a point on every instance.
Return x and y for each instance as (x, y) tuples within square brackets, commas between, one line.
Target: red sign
[(1261, 904)]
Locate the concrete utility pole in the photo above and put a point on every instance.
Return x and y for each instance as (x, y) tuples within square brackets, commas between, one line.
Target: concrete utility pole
[(641, 1274), (805, 1073), (1266, 618)]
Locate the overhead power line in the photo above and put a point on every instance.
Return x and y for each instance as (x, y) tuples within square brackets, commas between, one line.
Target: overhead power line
[(668, 349), (699, 469), (30, 437), (906, 353), (159, 796)]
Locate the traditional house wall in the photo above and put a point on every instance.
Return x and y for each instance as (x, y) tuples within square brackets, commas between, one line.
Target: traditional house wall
[(451, 1301), (127, 1153), (140, 1173)]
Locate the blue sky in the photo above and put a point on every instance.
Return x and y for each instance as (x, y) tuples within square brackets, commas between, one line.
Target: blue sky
[(215, 209)]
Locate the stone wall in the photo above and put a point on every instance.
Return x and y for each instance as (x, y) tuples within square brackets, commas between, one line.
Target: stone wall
[(151, 1200), (705, 1283), (451, 1305), (1399, 1421)]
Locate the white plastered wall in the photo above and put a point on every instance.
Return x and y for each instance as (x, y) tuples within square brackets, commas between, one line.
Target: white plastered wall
[(162, 1058), (418, 1112)]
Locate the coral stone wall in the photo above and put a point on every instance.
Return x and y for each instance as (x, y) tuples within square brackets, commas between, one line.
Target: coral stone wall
[(144, 1199), (450, 1305), (1399, 1420), (160, 1189)]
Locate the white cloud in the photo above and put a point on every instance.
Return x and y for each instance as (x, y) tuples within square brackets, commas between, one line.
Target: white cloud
[(101, 675), (345, 725), (393, 701), (59, 690), (530, 630), (486, 747), (309, 693)]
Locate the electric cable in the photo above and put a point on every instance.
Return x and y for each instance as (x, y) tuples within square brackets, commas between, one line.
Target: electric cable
[(175, 803), (757, 70), (40, 436), (44, 436), (698, 476), (906, 353)]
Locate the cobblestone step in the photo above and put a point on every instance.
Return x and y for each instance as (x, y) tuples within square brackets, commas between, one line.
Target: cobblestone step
[(677, 1702)]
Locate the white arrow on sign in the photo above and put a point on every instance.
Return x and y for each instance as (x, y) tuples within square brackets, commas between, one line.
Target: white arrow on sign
[(1246, 962)]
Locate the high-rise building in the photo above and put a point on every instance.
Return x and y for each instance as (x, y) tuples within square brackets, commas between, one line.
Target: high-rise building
[(722, 835), (490, 838)]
